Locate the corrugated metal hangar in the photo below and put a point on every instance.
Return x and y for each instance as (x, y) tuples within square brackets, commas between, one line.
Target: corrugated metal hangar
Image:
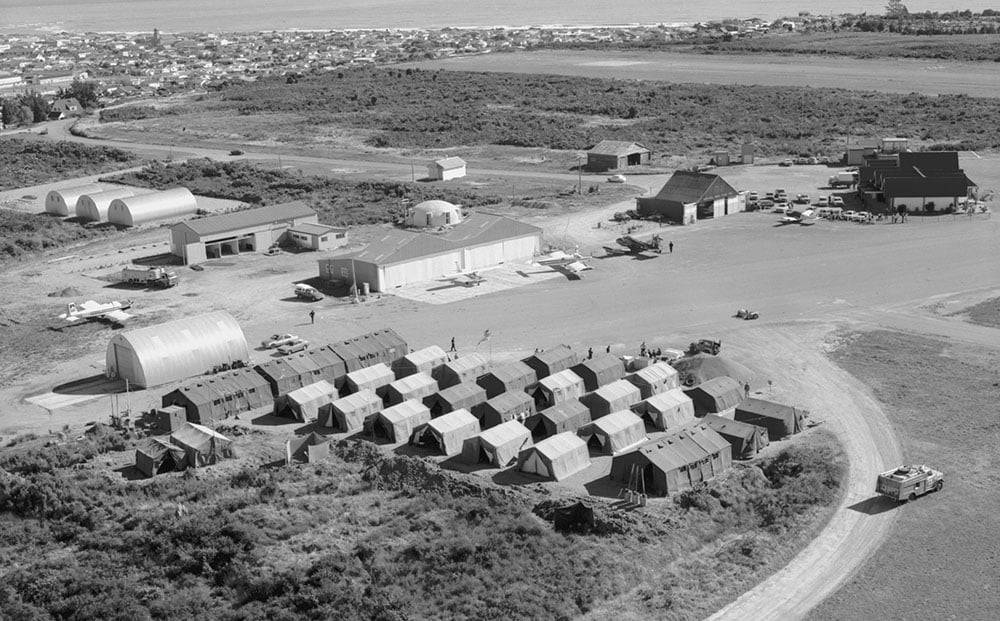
[(142, 208), (250, 230), (403, 257)]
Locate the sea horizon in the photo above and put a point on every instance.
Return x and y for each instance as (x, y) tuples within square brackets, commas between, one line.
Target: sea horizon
[(177, 16)]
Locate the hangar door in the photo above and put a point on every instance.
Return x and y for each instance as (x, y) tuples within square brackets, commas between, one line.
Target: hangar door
[(124, 362)]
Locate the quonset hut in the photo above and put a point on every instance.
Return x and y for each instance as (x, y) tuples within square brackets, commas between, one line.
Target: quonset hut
[(135, 210), (63, 201), (176, 349), (93, 206)]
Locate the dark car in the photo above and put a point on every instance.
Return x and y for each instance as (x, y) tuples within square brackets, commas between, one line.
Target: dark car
[(236, 152)]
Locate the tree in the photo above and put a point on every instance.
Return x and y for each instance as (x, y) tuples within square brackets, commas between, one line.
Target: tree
[(39, 105), (84, 92), (896, 9), (14, 114)]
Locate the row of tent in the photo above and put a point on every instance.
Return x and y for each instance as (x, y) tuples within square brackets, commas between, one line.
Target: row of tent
[(190, 446), (125, 206)]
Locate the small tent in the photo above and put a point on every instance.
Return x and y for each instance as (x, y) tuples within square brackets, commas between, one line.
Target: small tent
[(600, 370), (308, 449), (666, 410), (375, 378), (468, 368), (614, 432), (512, 377), (426, 360), (779, 420), (498, 446), (746, 439), (202, 446), (348, 414), (654, 379), (576, 518), (618, 395), (466, 395), (555, 458), (414, 386), (157, 456), (718, 395), (566, 416), (506, 407), (551, 361), (397, 423), (447, 433), (561, 386), (304, 403)]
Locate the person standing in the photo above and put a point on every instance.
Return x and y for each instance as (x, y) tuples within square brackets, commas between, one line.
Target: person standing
[(452, 344), (670, 247), (312, 316), (746, 389), (590, 353)]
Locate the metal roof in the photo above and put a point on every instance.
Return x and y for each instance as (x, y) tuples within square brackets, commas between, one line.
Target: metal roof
[(686, 186), (618, 147), (449, 163), (226, 222), (311, 228)]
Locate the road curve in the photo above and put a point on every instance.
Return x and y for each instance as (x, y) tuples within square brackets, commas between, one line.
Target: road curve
[(857, 527)]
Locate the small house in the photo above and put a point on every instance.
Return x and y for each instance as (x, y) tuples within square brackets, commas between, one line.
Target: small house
[(616, 154), (312, 236), (446, 168)]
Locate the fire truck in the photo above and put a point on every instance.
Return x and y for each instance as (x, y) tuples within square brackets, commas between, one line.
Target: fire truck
[(908, 482)]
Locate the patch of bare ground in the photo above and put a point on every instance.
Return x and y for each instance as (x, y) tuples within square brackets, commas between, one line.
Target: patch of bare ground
[(940, 561), (985, 313)]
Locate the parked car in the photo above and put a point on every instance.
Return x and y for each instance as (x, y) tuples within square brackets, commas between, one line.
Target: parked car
[(802, 199), (848, 215), (293, 346), (236, 152), (616, 179), (822, 201), (307, 292), (785, 162), (277, 340), (765, 204), (861, 216), (781, 207), (752, 197), (836, 201)]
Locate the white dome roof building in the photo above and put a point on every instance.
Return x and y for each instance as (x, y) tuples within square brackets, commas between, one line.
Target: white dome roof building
[(434, 213), (93, 207), (143, 208), (63, 201)]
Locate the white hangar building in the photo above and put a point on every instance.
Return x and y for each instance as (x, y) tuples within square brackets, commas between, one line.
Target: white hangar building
[(250, 230), (143, 208), (403, 257), (62, 202), (93, 206), (175, 350)]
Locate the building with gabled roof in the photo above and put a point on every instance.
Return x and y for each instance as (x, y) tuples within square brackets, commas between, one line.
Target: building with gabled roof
[(446, 168), (322, 237), (616, 154), (248, 230), (398, 257), (689, 196), (920, 181)]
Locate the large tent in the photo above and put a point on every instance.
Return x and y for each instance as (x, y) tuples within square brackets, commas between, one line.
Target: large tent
[(555, 458), (425, 360), (468, 368), (618, 395), (383, 346), (177, 349), (551, 361), (467, 395), (561, 386), (654, 379), (779, 420), (308, 449), (498, 446), (292, 372), (304, 403), (375, 378), (415, 386), (746, 439), (506, 407), (143, 208), (157, 456), (566, 416), (667, 410), (600, 370), (511, 377), (676, 462), (348, 414), (397, 423), (447, 433), (213, 398), (718, 395), (615, 432), (202, 446)]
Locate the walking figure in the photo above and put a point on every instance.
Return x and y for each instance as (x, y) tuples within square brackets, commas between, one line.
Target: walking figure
[(452, 344), (746, 389), (312, 316), (642, 349), (670, 246), (608, 350), (590, 353)]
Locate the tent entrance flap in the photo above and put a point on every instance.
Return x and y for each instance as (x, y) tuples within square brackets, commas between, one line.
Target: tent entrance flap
[(535, 464)]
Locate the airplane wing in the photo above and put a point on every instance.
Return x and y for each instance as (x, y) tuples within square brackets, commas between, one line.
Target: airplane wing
[(88, 305), (116, 316), (69, 318), (578, 266)]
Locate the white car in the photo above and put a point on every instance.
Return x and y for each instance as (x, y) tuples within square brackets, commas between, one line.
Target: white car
[(293, 346), (836, 201), (616, 179), (848, 215), (822, 201), (277, 340), (861, 216)]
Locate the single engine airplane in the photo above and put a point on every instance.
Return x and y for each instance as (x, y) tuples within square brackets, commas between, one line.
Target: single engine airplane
[(109, 311), (633, 246), (804, 217)]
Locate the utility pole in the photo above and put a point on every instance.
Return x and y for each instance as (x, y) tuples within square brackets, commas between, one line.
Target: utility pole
[(579, 175), (413, 173)]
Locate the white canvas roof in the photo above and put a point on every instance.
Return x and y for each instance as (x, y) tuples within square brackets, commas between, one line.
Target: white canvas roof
[(557, 457), (562, 379), (375, 375), (658, 372), (453, 420), (619, 389), (404, 411)]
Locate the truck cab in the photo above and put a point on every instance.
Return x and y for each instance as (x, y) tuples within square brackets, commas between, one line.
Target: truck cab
[(908, 482)]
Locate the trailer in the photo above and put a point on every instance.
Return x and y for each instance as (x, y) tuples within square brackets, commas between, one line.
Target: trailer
[(149, 277), (907, 482), (842, 179)]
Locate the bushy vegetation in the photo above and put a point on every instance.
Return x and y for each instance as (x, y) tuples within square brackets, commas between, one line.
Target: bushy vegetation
[(22, 233), (364, 536), (337, 201), (433, 109), (32, 162)]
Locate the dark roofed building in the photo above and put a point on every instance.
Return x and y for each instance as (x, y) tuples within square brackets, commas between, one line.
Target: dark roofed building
[(689, 196), (214, 398), (616, 154), (920, 181)]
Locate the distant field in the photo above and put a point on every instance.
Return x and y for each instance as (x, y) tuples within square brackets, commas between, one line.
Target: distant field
[(27, 162), (940, 560)]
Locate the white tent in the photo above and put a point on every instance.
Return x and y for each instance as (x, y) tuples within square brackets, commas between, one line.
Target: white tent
[(305, 403), (375, 378), (447, 433), (555, 458), (349, 413), (415, 386), (654, 379), (667, 410), (201, 445), (615, 432), (498, 446), (425, 360), (398, 422)]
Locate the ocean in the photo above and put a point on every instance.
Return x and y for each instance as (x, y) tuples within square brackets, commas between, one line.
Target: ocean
[(26, 16)]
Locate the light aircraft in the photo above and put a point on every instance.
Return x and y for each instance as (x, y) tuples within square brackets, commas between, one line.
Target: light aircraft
[(466, 278), (109, 311), (804, 217), (631, 245), (572, 265)]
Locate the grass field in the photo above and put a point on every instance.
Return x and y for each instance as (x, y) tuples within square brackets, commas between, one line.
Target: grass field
[(940, 562), (27, 162)]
